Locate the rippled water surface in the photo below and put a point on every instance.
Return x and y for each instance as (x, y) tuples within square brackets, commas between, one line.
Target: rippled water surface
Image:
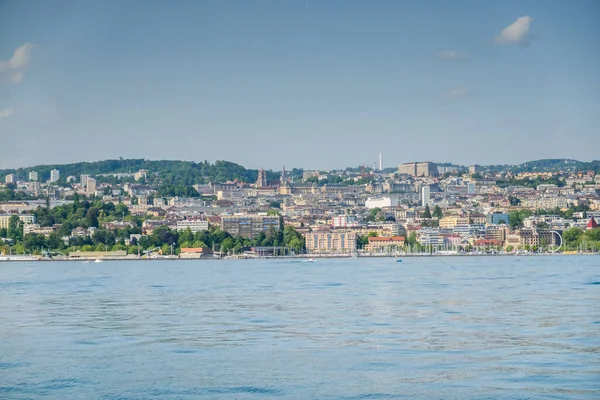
[(480, 327)]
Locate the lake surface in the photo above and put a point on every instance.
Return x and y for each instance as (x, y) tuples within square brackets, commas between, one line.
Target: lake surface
[(445, 328)]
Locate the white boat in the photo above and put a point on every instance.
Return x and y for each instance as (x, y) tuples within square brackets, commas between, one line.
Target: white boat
[(19, 257), (98, 260)]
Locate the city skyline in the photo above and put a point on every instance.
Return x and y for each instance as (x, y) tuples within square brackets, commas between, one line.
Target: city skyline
[(306, 84)]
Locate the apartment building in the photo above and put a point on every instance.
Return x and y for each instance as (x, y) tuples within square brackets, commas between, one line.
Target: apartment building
[(249, 226), (453, 220), (195, 225), (385, 244), (328, 241), (25, 218)]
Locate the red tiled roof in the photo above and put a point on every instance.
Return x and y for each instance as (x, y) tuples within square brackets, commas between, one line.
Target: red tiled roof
[(387, 239), (592, 223)]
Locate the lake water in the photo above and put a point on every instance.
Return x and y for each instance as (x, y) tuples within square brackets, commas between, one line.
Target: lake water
[(446, 328)]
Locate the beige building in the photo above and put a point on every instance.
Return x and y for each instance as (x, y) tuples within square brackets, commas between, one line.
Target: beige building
[(331, 242), (385, 244), (26, 219), (91, 186), (418, 169), (453, 220)]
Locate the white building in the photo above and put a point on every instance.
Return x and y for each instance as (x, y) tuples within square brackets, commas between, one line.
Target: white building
[(381, 202), (11, 178), (344, 221), (195, 225), (425, 195), (33, 176), (54, 175)]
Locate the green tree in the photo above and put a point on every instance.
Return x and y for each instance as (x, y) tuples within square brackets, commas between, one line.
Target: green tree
[(426, 213), (15, 228), (437, 212), (91, 217), (571, 237)]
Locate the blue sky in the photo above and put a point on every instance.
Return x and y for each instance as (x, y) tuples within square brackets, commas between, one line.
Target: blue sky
[(313, 84)]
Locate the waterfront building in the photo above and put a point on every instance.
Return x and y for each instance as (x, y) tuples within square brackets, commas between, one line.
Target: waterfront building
[(386, 244), (430, 237), (249, 225), (328, 241)]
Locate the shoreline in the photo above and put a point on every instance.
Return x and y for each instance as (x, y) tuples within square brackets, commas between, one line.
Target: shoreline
[(31, 258)]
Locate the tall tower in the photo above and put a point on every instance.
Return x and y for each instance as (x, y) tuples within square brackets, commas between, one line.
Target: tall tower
[(380, 161), (262, 178), (284, 187)]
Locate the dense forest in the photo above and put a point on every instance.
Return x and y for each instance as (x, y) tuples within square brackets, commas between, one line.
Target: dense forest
[(162, 172), (549, 165)]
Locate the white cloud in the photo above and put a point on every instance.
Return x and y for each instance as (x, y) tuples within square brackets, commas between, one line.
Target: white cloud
[(17, 77), (451, 55), (461, 91), (21, 56), (517, 32), (7, 112), (19, 60)]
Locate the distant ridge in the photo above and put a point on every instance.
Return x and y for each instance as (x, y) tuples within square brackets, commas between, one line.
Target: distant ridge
[(195, 172)]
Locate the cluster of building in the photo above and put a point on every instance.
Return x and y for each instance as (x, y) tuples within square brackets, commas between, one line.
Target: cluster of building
[(389, 213)]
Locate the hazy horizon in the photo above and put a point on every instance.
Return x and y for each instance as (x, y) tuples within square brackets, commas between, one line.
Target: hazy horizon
[(307, 84)]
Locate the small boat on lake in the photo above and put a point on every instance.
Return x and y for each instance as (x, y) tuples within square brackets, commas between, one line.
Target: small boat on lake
[(398, 260)]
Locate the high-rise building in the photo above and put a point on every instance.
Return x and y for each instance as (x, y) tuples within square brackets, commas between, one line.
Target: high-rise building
[(91, 186), (83, 180), (474, 169), (11, 178), (54, 175), (262, 178), (33, 176), (425, 195)]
